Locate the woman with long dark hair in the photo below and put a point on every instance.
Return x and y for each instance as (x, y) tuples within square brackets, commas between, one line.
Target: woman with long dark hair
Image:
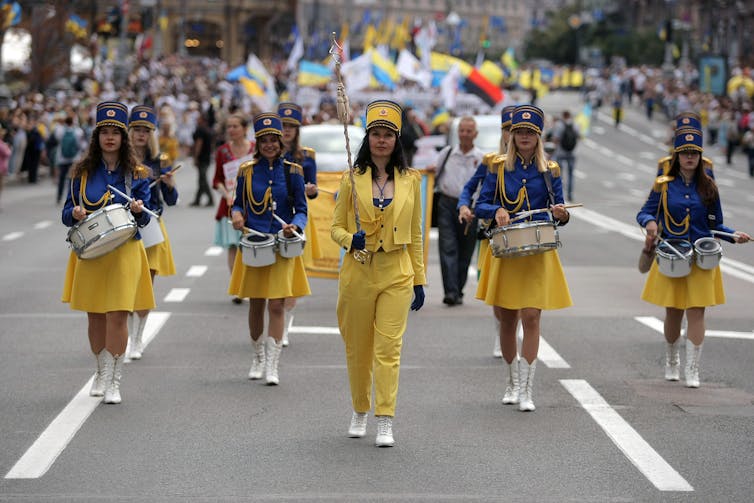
[(378, 281), (112, 285)]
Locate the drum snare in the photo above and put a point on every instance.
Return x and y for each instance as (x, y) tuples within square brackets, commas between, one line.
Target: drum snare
[(258, 251), (290, 247), (708, 252), (528, 238), (102, 231), (669, 263)]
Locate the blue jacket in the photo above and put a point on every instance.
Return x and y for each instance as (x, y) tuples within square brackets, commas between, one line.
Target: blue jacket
[(308, 163), (160, 192)]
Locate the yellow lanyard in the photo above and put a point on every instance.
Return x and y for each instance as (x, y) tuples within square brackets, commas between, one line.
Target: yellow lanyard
[(82, 196), (521, 197), (685, 223), (266, 198)]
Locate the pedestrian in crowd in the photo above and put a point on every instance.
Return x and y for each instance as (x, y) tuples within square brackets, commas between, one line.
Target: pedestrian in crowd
[(729, 127), (142, 126), (70, 138), (565, 135), (228, 158), (383, 267), (268, 184), (112, 285), (684, 205), (291, 115), (457, 238), (18, 148), (35, 146), (748, 144), (411, 130), (520, 287), (5, 153), (202, 153)]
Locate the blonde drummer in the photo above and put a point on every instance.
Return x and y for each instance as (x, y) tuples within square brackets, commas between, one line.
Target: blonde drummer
[(266, 187), (685, 204), (522, 286), (110, 286), (142, 126)]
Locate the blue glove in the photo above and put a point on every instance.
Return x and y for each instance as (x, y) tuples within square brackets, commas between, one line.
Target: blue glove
[(359, 241), (418, 298)]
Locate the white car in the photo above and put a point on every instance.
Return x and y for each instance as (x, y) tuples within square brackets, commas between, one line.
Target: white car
[(329, 143)]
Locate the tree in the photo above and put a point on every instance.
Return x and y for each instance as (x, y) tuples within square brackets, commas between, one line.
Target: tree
[(50, 44)]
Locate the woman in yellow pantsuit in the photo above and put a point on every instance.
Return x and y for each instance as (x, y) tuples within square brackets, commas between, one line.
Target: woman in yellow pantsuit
[(374, 293)]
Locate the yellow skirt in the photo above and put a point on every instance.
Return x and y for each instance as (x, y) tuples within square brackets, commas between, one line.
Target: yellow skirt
[(160, 256), (701, 288), (116, 281), (518, 282), (285, 278), (484, 245), (312, 250)]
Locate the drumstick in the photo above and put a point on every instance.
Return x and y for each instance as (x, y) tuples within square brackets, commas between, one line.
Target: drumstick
[(727, 235), (672, 248), (320, 189), (524, 214), (131, 199), (283, 222), (248, 230), (169, 172)]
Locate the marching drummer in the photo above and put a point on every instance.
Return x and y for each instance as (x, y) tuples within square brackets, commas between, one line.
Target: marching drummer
[(291, 116), (466, 203), (142, 126), (522, 286), (684, 204), (269, 189), (110, 286)]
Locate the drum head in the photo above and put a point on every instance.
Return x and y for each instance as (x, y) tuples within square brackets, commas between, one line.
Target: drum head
[(707, 245), (681, 245)]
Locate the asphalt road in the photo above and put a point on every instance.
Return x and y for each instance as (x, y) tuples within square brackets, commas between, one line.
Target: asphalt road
[(192, 427)]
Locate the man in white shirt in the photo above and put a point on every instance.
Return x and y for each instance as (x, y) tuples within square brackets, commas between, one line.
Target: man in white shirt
[(455, 166)]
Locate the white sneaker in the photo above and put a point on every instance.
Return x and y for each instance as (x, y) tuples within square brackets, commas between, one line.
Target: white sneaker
[(358, 427), (384, 432)]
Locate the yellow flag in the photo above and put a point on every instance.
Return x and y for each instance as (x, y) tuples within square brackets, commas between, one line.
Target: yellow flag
[(370, 37)]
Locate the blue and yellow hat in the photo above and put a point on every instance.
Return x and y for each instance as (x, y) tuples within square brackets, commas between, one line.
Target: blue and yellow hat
[(688, 120), (142, 115), (506, 115), (384, 113), (687, 139), (112, 113), (267, 123), (290, 113), (528, 116)]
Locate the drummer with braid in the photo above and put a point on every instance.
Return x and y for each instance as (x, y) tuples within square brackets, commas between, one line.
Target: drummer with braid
[(520, 287), (684, 120), (142, 126), (684, 204), (112, 285), (267, 183), (291, 115)]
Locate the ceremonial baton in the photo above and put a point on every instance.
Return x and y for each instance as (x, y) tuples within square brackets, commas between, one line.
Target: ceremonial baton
[(131, 199), (343, 114)]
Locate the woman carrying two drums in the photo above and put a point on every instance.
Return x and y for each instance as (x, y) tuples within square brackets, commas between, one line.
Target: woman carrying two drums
[(112, 285), (685, 205), (291, 115), (522, 286), (265, 185), (142, 126)]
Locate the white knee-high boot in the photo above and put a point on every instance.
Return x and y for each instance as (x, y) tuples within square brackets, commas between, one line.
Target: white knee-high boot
[(526, 376), (113, 371), (98, 383), (136, 346), (693, 355), (258, 360), (497, 352), (287, 322), (512, 388), (273, 350), (672, 361)]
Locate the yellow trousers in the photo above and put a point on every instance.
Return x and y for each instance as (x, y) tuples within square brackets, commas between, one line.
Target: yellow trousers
[(373, 304)]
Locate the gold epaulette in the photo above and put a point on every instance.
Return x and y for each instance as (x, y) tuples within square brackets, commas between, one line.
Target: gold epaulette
[(663, 165), (497, 162), (487, 158), (554, 168), (707, 163), (309, 152), (247, 166), (660, 181), (164, 160), (141, 172), (415, 173), (294, 168)]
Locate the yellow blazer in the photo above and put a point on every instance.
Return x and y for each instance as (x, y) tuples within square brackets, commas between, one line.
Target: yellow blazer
[(407, 214)]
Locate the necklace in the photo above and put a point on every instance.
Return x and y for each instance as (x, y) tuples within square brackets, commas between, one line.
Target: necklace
[(381, 201)]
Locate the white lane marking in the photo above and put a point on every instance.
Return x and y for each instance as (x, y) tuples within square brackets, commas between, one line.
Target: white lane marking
[(213, 251), (55, 438), (725, 182), (656, 324), (314, 330), (625, 160), (634, 447), (196, 271), (579, 174), (735, 268), (648, 155), (176, 295), (629, 177), (43, 224), (549, 356), (12, 235)]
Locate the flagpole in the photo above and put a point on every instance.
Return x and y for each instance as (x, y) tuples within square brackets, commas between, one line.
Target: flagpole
[(343, 114)]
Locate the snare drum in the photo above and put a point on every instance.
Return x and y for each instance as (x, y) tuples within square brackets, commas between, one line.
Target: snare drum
[(102, 231), (151, 234), (290, 247), (528, 238), (258, 251), (708, 252), (669, 263)]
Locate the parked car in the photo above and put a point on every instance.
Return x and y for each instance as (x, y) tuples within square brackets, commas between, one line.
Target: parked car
[(488, 138), (329, 143)]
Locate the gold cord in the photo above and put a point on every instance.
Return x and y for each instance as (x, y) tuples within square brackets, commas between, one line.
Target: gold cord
[(685, 223), (82, 196)]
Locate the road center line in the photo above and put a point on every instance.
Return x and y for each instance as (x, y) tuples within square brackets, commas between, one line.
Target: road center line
[(45, 450), (196, 271), (12, 235), (657, 325), (176, 295), (213, 251), (633, 446)]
